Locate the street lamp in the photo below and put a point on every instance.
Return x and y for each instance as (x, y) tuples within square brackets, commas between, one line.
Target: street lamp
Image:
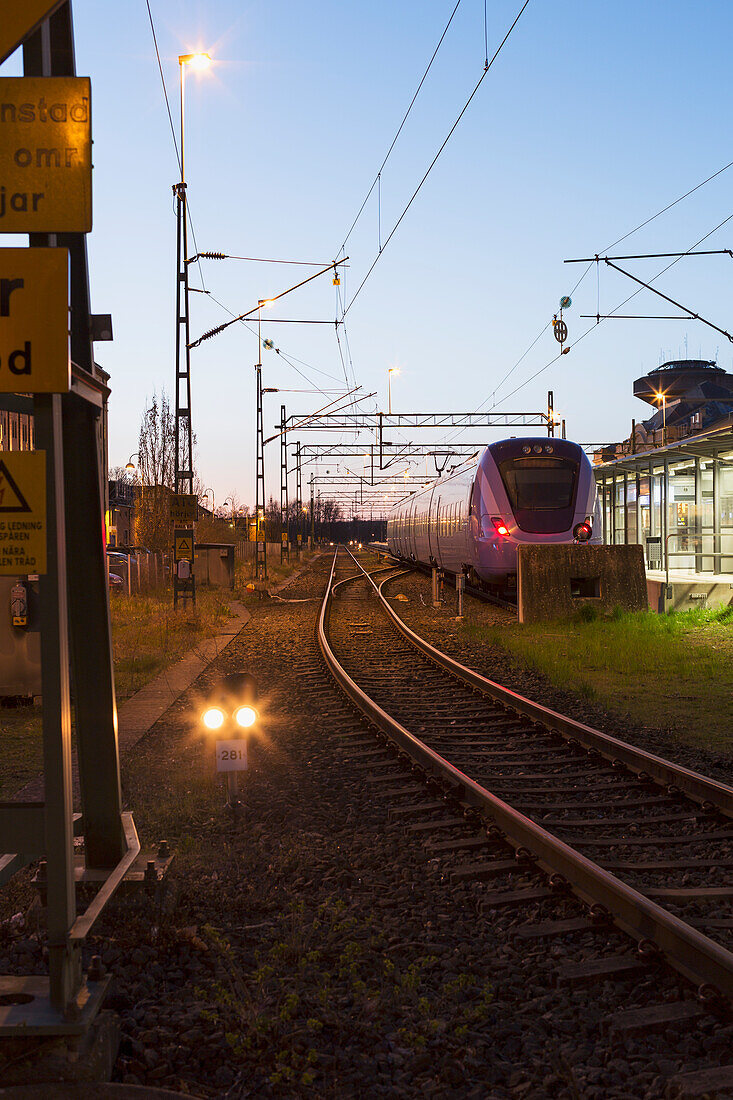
[(130, 464), (198, 62), (661, 396), (205, 494), (390, 372)]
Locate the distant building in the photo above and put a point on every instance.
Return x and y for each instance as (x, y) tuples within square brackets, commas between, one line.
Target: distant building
[(669, 486), (121, 514)]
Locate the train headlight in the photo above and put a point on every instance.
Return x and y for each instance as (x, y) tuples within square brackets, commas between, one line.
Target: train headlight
[(499, 526), (582, 531), (213, 718), (245, 716)]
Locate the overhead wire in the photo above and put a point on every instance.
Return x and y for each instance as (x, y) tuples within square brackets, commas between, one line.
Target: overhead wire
[(400, 127), (594, 326), (641, 225), (432, 164)]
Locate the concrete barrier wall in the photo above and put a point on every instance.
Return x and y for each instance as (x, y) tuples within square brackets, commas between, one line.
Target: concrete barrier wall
[(556, 580)]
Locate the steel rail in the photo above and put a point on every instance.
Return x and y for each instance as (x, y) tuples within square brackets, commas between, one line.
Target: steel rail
[(698, 787), (699, 959)]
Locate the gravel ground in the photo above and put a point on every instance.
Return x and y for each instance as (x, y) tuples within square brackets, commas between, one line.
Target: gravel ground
[(313, 949)]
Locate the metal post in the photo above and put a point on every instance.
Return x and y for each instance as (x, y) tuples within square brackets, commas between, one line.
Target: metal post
[(436, 601), (284, 523), (664, 507), (64, 958), (460, 586), (626, 508), (697, 528), (313, 516), (550, 414), (260, 535), (299, 500), (717, 516), (50, 52)]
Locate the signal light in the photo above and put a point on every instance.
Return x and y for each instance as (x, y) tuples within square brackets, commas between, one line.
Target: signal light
[(499, 526), (213, 718), (582, 531), (245, 716)]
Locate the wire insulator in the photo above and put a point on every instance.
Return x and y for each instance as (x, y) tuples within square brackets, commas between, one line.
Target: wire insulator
[(212, 332), (213, 256)]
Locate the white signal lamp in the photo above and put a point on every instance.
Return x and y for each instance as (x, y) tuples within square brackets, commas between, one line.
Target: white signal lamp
[(245, 717), (213, 718)]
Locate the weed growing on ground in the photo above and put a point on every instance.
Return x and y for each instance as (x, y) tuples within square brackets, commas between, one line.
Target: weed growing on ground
[(353, 982), (663, 670)]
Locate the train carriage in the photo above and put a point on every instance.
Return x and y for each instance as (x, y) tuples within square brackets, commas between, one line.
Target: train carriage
[(515, 491)]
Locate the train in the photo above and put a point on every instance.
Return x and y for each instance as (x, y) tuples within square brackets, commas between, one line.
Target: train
[(471, 519)]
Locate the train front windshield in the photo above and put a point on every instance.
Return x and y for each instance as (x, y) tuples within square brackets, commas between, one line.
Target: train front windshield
[(539, 483), (541, 487)]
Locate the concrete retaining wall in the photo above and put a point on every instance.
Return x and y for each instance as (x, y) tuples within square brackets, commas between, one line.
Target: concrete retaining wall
[(683, 595), (556, 580)]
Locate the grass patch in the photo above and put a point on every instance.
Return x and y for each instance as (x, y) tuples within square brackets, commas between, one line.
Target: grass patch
[(148, 635), (22, 747), (663, 670)]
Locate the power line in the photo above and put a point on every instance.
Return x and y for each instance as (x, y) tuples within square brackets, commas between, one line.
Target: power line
[(437, 155), (618, 307), (399, 128)]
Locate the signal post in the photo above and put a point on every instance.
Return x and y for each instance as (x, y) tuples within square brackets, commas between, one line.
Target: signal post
[(51, 510)]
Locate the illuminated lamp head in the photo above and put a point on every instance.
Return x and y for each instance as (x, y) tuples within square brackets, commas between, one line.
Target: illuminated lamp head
[(582, 531), (213, 718), (499, 526)]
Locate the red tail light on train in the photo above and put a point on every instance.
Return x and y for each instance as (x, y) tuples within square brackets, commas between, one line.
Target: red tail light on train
[(499, 526)]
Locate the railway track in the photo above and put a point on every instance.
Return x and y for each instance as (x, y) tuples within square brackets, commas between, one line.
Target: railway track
[(643, 843)]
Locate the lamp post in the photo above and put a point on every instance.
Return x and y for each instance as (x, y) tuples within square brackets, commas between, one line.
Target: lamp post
[(205, 494), (390, 372), (183, 471)]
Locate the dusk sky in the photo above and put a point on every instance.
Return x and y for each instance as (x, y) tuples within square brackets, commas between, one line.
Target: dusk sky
[(593, 118)]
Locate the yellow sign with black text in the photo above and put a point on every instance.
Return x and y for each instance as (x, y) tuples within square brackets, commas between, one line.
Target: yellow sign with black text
[(20, 19), (183, 545), (45, 154), (183, 507), (22, 513), (34, 320)]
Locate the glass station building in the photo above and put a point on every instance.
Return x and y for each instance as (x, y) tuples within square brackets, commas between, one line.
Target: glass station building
[(669, 486)]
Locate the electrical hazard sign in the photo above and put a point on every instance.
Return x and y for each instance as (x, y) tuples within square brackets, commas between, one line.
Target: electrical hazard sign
[(34, 320), (183, 545), (22, 512), (45, 154)]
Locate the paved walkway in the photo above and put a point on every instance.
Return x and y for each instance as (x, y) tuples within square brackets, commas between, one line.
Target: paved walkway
[(136, 716)]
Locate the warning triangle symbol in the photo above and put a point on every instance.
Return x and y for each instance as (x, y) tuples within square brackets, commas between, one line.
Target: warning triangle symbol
[(184, 546), (11, 498)]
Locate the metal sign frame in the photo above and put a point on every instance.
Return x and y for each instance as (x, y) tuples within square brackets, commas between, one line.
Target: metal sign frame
[(75, 632)]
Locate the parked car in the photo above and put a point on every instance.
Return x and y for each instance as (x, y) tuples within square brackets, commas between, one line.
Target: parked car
[(116, 584)]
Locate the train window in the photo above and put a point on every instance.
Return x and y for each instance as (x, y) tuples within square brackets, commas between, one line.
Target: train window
[(539, 484)]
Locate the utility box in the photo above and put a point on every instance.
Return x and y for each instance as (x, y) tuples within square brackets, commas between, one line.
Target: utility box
[(554, 580), (215, 563), (20, 638)]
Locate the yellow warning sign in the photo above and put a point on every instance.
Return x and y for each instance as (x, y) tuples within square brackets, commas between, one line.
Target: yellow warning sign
[(34, 320), (183, 545), (183, 508), (284, 537), (45, 154), (22, 512), (20, 19)]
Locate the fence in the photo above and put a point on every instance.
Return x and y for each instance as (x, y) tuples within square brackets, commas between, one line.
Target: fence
[(141, 572)]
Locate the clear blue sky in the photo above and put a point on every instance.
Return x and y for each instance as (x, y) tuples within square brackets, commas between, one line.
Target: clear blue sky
[(593, 118)]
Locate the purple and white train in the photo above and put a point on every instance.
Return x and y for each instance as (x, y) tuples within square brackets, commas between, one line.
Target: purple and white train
[(472, 519)]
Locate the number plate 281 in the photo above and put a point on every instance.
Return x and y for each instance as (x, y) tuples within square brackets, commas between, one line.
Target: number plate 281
[(231, 756)]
